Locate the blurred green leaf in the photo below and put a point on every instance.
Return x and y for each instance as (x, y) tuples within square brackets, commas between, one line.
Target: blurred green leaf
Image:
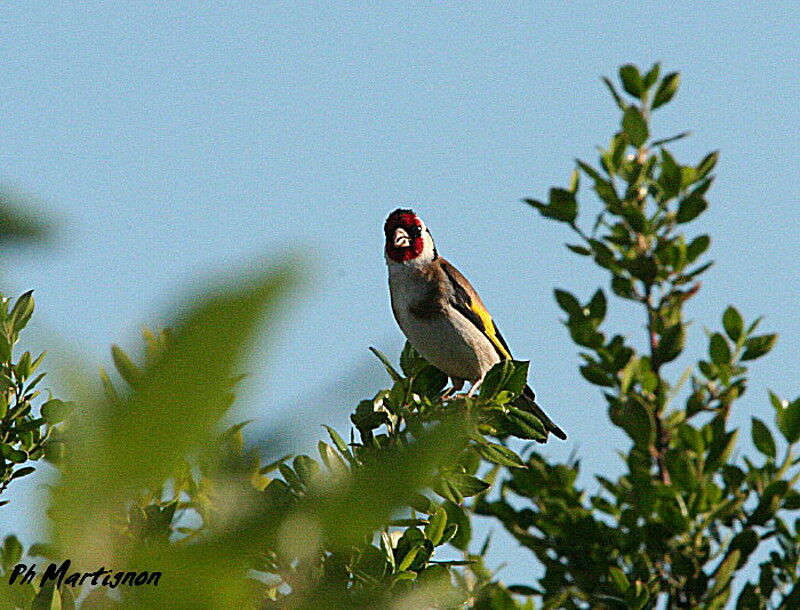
[(127, 369), (56, 411), (719, 350), (631, 80), (619, 579), (691, 207), (651, 76), (17, 225), (353, 508), (667, 89), (733, 323), (707, 165), (762, 438), (568, 302), (617, 98), (671, 344), (755, 347), (117, 450), (787, 416), (635, 126)]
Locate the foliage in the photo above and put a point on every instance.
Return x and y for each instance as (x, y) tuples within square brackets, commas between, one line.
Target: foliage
[(148, 481), (687, 516), (25, 437)]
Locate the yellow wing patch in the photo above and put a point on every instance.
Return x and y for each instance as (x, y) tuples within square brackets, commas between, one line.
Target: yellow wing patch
[(489, 329)]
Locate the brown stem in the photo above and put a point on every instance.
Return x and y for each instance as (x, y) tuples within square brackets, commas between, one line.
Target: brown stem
[(659, 449)]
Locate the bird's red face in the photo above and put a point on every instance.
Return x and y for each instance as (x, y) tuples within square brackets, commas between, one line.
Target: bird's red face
[(405, 234)]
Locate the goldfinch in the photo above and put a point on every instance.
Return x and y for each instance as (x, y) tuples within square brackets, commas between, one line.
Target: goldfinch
[(440, 313)]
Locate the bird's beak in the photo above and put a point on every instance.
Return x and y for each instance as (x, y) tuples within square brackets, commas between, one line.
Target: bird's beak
[(401, 238)]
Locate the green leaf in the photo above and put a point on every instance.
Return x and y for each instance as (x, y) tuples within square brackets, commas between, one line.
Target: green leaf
[(11, 552), (523, 424), (435, 528), (733, 323), (670, 177), (670, 139), (762, 438), (617, 97), (15, 456), (691, 207), (508, 375), (568, 302), (787, 416), (631, 80), (667, 89), (651, 77), (56, 411), (174, 409), (697, 246), (635, 126), (271, 466), (429, 381), (697, 271), (48, 598), (579, 249), (619, 579), (410, 361), (306, 468), (724, 574), (387, 364), (643, 268), (409, 557), (126, 368), (563, 205), (574, 181), (748, 598), (466, 484), (755, 347), (622, 287), (671, 344), (22, 311), (602, 253), (498, 454), (597, 306), (719, 350), (596, 374), (21, 472), (19, 226), (339, 442), (706, 165), (456, 516), (366, 418), (720, 450), (636, 421), (351, 509)]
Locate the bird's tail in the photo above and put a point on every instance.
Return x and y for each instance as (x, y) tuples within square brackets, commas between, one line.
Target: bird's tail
[(527, 402)]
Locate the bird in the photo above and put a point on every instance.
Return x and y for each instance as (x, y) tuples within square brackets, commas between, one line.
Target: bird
[(441, 314)]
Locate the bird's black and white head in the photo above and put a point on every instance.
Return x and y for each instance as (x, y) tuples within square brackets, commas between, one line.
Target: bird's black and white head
[(408, 240)]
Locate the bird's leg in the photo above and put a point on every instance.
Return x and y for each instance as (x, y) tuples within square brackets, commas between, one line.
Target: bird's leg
[(457, 385), (475, 386)]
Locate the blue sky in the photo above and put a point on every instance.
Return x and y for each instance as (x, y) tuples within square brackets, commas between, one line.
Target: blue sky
[(168, 140)]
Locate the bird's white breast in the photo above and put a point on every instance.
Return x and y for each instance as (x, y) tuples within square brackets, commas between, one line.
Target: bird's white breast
[(447, 340)]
